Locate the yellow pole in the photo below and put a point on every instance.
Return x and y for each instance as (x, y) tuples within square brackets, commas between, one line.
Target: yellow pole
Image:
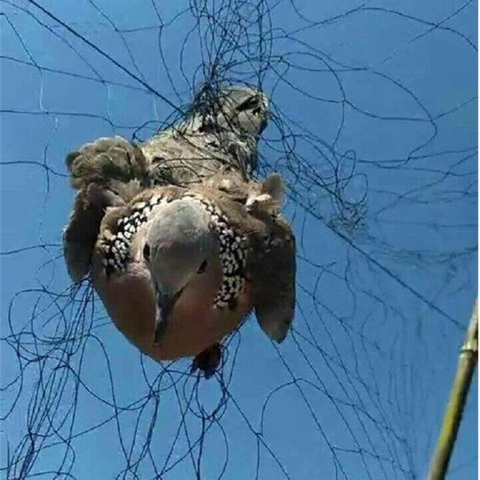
[(453, 415)]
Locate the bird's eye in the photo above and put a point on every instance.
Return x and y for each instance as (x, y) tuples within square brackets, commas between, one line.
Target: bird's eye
[(146, 252), (202, 267), (248, 104)]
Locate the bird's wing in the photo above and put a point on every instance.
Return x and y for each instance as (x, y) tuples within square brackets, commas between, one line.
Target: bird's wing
[(272, 267), (107, 172), (271, 257), (110, 162)]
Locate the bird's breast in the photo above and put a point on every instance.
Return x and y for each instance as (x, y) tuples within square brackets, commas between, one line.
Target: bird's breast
[(195, 323)]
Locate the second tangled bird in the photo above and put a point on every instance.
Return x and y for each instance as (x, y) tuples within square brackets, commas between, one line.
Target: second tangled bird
[(180, 241)]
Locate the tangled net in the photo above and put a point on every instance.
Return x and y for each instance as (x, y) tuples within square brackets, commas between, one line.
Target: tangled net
[(373, 127)]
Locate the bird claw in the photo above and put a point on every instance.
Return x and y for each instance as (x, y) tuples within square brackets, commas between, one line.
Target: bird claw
[(207, 361)]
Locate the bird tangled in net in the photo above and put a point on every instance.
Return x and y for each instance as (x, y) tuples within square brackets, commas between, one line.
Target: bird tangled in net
[(372, 125), (180, 241)]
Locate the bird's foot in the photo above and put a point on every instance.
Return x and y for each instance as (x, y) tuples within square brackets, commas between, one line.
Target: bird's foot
[(208, 360)]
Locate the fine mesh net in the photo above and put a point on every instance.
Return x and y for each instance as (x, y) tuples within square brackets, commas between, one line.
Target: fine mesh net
[(373, 128)]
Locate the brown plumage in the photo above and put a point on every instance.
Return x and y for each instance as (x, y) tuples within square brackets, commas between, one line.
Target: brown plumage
[(107, 172)]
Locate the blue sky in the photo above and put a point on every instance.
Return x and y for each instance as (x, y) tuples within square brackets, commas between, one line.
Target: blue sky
[(378, 104)]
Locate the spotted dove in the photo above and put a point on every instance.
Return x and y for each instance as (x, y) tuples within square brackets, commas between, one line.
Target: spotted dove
[(180, 241), (178, 269)]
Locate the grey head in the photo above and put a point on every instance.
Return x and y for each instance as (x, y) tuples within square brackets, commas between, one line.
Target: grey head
[(179, 246), (239, 111), (242, 109)]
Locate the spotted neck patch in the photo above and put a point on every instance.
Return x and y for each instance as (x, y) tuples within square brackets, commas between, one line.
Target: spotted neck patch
[(232, 256), (117, 246), (231, 246)]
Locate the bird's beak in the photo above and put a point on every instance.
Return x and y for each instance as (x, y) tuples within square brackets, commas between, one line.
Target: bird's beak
[(165, 304)]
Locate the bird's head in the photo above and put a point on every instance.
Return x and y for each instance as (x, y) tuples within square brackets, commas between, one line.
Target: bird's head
[(179, 247), (243, 109)]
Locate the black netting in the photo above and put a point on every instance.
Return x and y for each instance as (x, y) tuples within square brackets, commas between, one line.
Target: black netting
[(373, 127)]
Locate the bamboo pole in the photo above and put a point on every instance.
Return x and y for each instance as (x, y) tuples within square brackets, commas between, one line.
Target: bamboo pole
[(453, 415)]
